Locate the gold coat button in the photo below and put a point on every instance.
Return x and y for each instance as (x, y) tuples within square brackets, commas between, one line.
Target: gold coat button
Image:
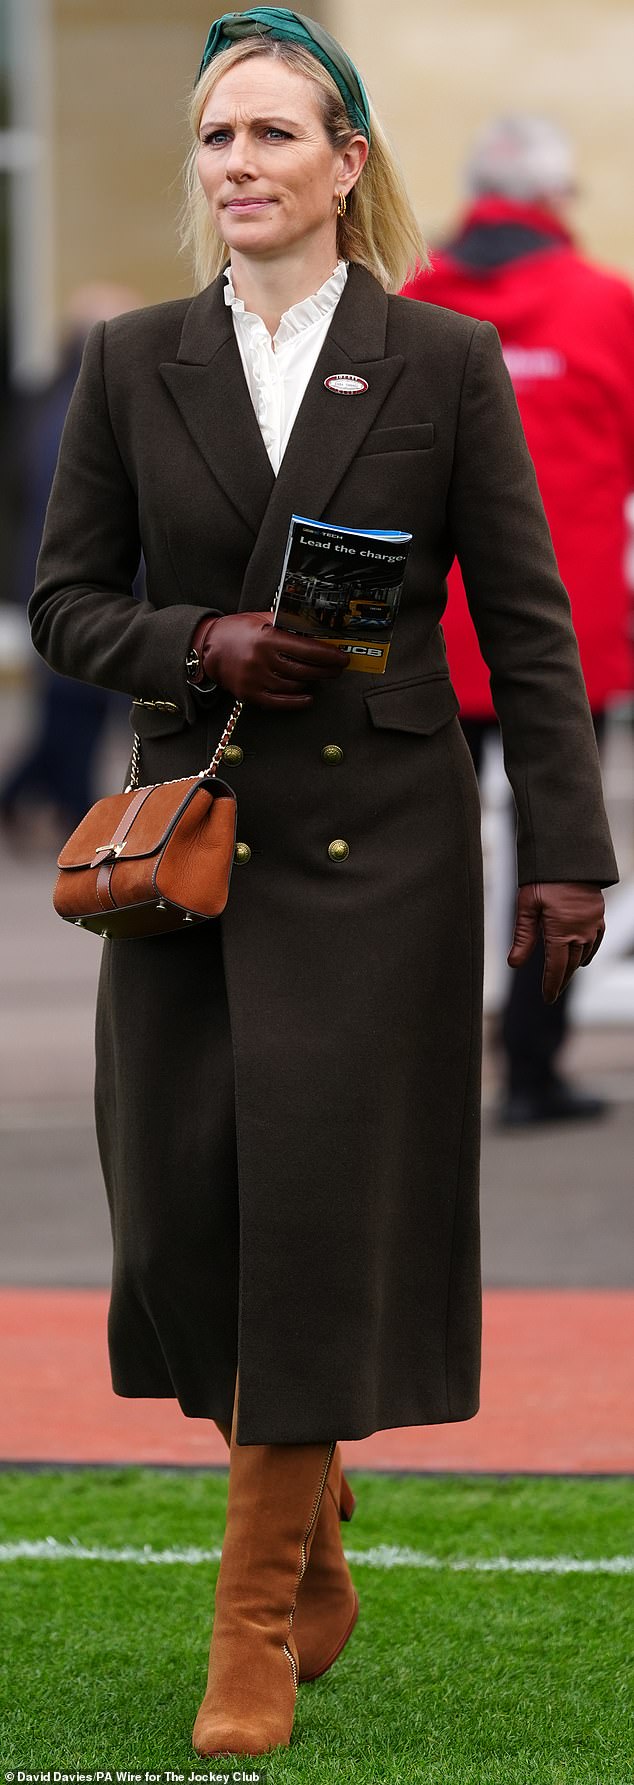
[(332, 753), (338, 850), (233, 754), (242, 853)]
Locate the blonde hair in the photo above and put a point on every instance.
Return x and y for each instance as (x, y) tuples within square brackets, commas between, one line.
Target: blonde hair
[(379, 230)]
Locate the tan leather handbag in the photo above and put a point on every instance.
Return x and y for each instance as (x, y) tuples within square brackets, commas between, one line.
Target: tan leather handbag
[(152, 859)]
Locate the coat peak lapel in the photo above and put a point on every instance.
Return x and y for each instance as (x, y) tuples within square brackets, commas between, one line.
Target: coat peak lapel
[(209, 388)]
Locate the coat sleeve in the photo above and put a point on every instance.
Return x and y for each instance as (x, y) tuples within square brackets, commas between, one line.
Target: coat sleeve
[(85, 620), (522, 616)]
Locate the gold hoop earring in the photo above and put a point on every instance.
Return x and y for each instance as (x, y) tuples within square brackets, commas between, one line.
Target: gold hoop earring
[(341, 204)]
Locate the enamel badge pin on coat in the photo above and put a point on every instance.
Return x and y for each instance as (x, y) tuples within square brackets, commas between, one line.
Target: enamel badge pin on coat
[(346, 384)]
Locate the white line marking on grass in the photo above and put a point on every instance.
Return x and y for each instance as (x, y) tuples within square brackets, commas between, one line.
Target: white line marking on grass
[(386, 1556), (48, 1549)]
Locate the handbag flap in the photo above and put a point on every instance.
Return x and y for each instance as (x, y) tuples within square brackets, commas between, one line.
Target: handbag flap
[(131, 824)]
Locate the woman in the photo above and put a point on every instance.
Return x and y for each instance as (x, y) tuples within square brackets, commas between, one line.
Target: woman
[(288, 1100)]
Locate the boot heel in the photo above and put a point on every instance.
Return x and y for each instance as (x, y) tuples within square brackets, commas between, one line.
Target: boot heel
[(347, 1500)]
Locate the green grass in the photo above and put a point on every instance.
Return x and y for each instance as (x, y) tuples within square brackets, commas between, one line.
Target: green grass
[(449, 1678)]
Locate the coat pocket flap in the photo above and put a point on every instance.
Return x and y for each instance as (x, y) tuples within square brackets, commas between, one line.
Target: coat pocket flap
[(414, 436), (421, 704)]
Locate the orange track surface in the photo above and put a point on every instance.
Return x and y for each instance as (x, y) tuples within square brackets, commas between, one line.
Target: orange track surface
[(557, 1391)]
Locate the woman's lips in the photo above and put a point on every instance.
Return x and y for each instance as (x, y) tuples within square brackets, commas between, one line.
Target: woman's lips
[(248, 204)]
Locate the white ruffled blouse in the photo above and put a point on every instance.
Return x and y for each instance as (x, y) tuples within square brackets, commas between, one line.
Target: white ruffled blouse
[(277, 369)]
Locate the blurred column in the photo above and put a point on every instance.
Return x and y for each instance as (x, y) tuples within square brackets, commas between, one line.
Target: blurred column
[(31, 191)]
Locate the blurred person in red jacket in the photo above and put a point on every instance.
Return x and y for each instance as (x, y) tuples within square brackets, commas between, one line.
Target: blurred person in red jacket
[(567, 332)]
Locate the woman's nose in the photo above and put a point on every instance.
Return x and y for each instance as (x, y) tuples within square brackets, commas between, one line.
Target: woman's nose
[(240, 162)]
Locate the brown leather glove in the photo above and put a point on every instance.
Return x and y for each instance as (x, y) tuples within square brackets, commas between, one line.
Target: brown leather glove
[(257, 661), (571, 915)]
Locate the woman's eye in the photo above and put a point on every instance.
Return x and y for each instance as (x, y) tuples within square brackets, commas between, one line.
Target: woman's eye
[(215, 139)]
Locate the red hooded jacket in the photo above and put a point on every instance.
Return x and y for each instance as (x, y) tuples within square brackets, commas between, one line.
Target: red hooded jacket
[(567, 331)]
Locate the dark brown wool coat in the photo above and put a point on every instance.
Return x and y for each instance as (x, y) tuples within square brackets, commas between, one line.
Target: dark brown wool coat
[(288, 1099)]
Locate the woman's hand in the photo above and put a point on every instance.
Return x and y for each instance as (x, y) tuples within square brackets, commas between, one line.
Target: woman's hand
[(571, 915), (257, 661)]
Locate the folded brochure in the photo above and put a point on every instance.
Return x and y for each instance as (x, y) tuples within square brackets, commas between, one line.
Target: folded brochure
[(343, 585)]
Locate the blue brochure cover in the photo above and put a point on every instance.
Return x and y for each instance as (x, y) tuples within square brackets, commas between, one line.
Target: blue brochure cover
[(342, 585)]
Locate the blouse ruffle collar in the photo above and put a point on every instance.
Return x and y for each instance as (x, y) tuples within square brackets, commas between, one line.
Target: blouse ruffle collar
[(300, 316)]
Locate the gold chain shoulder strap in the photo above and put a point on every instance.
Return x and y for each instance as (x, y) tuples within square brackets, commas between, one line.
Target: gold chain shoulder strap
[(135, 766)]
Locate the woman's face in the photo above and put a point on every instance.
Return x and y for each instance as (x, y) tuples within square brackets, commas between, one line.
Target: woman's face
[(268, 170)]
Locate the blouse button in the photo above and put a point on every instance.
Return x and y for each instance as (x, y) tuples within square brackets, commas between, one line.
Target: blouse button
[(242, 853), (332, 753), (233, 754), (338, 849)]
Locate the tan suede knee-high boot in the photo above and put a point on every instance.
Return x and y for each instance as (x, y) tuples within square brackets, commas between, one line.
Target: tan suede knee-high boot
[(275, 1492), (327, 1602)]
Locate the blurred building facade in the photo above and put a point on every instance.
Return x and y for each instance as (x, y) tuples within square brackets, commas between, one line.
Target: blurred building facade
[(97, 100), (438, 73), (93, 127)]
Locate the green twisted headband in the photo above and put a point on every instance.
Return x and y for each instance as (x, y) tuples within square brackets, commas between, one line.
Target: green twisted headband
[(293, 27)]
